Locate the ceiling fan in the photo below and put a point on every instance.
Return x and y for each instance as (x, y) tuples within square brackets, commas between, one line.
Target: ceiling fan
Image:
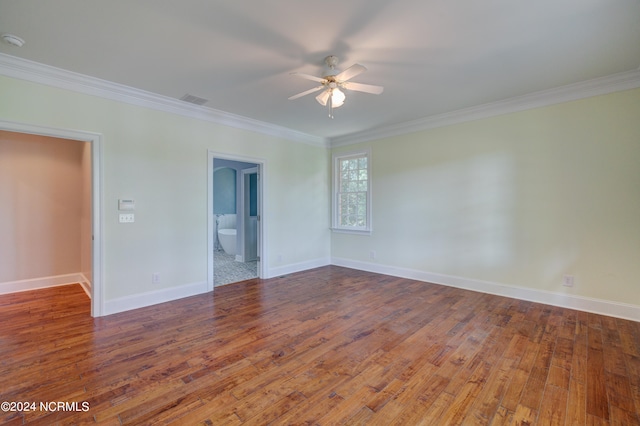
[(333, 81)]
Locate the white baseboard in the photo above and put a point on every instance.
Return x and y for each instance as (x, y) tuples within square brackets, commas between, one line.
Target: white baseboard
[(581, 303), (587, 304), (297, 267), (168, 294), (153, 297), (44, 282), (85, 283)]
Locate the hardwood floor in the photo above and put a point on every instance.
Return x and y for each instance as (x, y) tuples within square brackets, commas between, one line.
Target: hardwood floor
[(330, 346)]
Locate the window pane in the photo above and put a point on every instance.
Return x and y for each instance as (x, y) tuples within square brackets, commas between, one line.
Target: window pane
[(352, 203), (344, 203), (351, 192)]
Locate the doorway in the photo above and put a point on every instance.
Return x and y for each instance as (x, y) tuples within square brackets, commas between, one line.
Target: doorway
[(92, 229), (235, 232)]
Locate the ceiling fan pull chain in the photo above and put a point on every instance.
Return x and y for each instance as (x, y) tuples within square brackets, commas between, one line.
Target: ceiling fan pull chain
[(331, 104)]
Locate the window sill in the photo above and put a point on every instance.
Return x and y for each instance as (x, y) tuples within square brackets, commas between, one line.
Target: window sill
[(352, 231)]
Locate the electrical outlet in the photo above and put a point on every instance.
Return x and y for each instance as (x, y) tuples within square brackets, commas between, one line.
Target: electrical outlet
[(372, 254), (155, 278), (567, 280), (127, 218)]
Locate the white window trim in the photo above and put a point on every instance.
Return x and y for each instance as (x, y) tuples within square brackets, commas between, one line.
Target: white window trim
[(334, 190)]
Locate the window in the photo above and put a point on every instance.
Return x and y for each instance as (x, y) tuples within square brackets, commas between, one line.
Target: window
[(352, 192)]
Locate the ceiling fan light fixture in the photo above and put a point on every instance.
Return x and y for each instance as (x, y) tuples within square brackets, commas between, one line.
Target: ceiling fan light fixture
[(336, 96), (331, 83)]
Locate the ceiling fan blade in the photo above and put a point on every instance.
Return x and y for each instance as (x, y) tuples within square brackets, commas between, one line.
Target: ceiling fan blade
[(309, 77), (306, 92), (349, 73), (323, 97), (367, 88)]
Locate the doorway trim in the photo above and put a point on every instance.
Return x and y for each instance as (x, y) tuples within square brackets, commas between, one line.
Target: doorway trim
[(211, 221), (95, 139)]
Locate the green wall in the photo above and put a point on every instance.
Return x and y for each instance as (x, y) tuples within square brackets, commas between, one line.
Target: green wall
[(160, 160), (518, 200)]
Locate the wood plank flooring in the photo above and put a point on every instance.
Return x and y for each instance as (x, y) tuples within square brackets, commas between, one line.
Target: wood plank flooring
[(330, 346)]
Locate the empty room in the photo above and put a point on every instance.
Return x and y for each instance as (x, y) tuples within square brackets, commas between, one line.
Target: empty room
[(367, 212)]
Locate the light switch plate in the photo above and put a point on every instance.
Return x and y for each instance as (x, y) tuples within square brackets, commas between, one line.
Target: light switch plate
[(126, 205)]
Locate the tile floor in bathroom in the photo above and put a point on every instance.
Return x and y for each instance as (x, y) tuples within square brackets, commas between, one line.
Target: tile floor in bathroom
[(227, 270)]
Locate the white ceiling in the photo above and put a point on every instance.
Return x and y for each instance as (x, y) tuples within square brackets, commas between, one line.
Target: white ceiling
[(432, 56)]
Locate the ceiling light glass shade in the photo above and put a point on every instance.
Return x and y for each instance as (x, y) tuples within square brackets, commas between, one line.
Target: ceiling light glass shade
[(337, 98), (323, 97)]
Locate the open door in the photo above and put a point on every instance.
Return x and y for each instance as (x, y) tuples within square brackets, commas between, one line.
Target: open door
[(251, 214)]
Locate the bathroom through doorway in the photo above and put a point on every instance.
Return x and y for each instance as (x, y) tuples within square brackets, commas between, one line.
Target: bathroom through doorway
[(235, 207)]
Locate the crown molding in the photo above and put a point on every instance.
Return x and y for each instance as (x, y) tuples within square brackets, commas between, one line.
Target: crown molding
[(12, 66), (23, 69), (571, 92)]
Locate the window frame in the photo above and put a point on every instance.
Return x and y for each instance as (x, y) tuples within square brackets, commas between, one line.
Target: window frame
[(335, 223)]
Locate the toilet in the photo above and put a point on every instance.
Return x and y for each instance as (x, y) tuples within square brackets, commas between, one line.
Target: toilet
[(227, 238)]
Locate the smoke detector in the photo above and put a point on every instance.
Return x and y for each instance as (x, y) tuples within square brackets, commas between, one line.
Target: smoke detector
[(13, 40)]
